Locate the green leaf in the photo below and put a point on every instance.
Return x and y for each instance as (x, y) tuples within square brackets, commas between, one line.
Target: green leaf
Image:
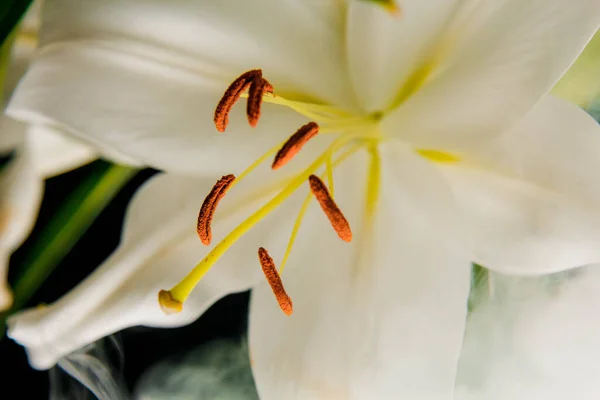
[(11, 12)]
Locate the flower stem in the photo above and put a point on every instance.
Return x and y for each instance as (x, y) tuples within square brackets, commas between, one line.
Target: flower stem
[(66, 227)]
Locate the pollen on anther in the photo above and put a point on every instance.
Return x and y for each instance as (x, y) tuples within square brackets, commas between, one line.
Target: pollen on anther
[(332, 211), (258, 87), (268, 267), (207, 211), (294, 144), (168, 304), (231, 96)]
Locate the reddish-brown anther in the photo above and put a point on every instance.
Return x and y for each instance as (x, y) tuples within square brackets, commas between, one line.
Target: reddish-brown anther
[(207, 211), (258, 87), (331, 210), (268, 267), (294, 144), (231, 96)]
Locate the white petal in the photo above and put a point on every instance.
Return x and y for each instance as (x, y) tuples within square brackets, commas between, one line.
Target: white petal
[(531, 196), (536, 338), (20, 195), (157, 115), (143, 78), (159, 248), (384, 49), (300, 50), (504, 55), (12, 134), (385, 322), (54, 152)]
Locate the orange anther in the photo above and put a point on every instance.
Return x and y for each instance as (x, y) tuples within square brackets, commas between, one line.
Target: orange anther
[(294, 144), (258, 87), (337, 219), (207, 211), (231, 96), (268, 267)]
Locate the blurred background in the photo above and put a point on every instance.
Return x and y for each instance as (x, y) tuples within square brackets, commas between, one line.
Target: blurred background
[(140, 348)]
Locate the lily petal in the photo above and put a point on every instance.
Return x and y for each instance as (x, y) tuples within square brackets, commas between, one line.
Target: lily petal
[(494, 63), (20, 195), (143, 78), (367, 320), (384, 49), (54, 152), (531, 196), (151, 113), (535, 338), (159, 248)]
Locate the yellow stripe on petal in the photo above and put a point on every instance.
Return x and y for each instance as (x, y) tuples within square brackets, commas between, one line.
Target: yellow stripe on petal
[(438, 156)]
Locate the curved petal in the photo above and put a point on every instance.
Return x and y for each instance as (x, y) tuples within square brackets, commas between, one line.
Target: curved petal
[(367, 318), (531, 196), (384, 49), (535, 338), (20, 195), (159, 247), (143, 78), (495, 62), (155, 114), (54, 152), (300, 50)]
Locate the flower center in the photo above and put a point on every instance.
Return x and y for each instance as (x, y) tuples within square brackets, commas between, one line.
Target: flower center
[(354, 133)]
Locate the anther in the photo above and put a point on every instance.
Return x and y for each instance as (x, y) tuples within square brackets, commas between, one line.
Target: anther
[(258, 87), (331, 210), (207, 211), (294, 144), (168, 304), (268, 267), (231, 96)]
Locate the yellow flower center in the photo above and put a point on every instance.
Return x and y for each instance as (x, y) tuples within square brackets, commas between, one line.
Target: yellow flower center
[(353, 133)]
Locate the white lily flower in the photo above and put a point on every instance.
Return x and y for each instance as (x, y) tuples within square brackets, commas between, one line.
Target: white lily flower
[(435, 126), (39, 152)]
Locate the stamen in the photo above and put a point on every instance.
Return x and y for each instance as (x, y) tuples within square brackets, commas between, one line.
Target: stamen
[(294, 144), (168, 304), (268, 267), (231, 96), (255, 96), (337, 219), (207, 211), (183, 289)]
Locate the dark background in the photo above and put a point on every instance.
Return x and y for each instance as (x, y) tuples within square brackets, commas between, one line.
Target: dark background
[(142, 347)]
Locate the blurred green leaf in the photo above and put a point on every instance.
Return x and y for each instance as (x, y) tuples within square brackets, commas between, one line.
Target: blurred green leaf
[(11, 12), (581, 83), (75, 215)]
